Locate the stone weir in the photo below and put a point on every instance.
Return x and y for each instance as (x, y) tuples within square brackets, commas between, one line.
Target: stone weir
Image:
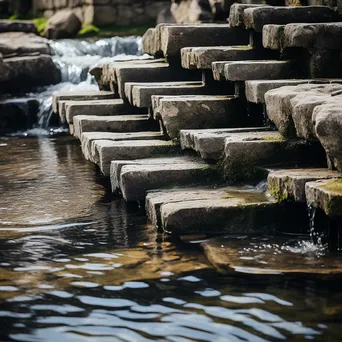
[(217, 110)]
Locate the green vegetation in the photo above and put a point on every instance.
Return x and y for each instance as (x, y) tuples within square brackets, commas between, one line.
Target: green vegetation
[(40, 24)]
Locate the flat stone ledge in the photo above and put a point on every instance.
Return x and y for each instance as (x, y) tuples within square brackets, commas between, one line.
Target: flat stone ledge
[(227, 215), (117, 165), (95, 107), (175, 37), (118, 123), (196, 112), (257, 18), (88, 139), (130, 149), (136, 180), (325, 195), (203, 57), (209, 143), (258, 70), (79, 96), (236, 14), (319, 36), (289, 184)]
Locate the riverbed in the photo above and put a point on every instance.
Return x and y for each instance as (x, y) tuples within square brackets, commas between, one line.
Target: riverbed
[(77, 264)]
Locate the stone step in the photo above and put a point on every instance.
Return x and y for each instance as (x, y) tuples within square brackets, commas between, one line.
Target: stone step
[(107, 151), (209, 143), (79, 96), (149, 72), (319, 36), (256, 90), (325, 195), (257, 70), (117, 123), (203, 57), (289, 184), (256, 18), (117, 165), (236, 14), (94, 107), (291, 108), (136, 180), (234, 212), (196, 112), (88, 139), (170, 39), (104, 74), (139, 94), (156, 198), (244, 154)]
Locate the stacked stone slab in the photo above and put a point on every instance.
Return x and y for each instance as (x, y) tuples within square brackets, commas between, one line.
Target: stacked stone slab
[(194, 88)]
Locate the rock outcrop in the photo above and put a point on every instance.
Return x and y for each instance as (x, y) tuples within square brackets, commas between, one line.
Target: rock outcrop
[(64, 24)]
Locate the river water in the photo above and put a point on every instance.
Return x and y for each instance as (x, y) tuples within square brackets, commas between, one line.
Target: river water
[(77, 264)]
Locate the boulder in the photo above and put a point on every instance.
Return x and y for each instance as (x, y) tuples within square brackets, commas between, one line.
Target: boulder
[(64, 24), (20, 43), (25, 72)]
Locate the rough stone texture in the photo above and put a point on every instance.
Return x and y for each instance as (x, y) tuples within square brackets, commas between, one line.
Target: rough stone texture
[(258, 70), (327, 119), (197, 112), (26, 72), (156, 72), (79, 96), (256, 90), (18, 43), (203, 57), (320, 36), (236, 14), (209, 143), (63, 24), (227, 215), (142, 92), (280, 105), (155, 199), (105, 74), (118, 123), (88, 139), (136, 180), (326, 195), (117, 165), (95, 107), (243, 157), (256, 18), (175, 37), (289, 184), (26, 26), (130, 150)]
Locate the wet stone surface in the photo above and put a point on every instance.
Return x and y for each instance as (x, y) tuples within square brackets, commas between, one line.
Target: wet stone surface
[(92, 269)]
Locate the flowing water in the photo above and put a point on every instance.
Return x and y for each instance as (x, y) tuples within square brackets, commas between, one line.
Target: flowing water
[(77, 264)]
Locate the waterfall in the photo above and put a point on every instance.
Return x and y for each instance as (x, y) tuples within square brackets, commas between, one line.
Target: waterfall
[(74, 58)]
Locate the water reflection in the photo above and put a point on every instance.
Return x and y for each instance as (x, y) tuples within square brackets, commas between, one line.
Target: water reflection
[(91, 269)]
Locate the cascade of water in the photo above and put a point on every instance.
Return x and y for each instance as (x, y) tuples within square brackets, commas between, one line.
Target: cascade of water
[(75, 58)]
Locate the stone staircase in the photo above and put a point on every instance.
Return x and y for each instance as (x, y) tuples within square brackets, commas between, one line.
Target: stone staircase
[(217, 106)]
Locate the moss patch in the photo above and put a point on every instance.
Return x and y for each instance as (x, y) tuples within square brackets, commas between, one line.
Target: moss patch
[(334, 185), (40, 24)]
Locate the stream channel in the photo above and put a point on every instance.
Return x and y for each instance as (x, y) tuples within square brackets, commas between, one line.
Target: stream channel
[(77, 264)]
